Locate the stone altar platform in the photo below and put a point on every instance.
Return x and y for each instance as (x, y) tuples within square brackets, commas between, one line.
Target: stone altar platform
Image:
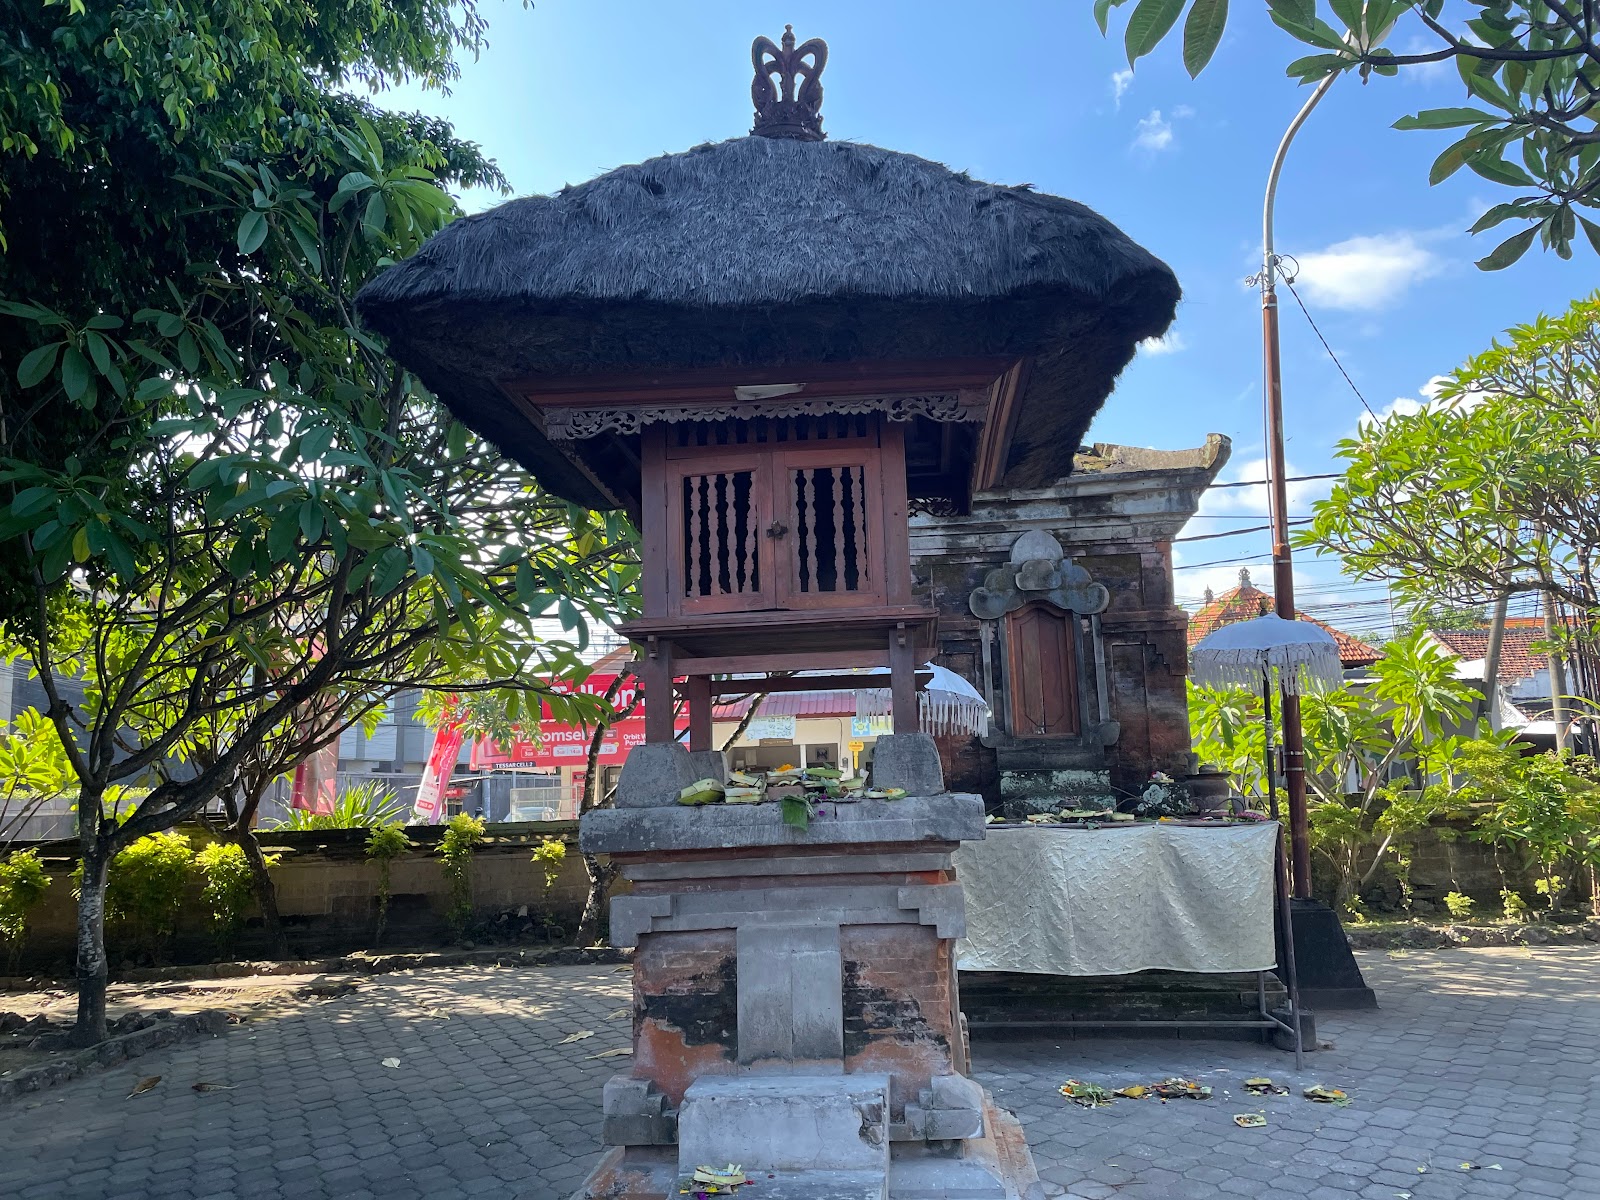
[(796, 1007)]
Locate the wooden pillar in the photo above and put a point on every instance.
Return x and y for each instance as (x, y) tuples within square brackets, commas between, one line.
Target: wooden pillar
[(655, 674), (697, 691), (903, 680)]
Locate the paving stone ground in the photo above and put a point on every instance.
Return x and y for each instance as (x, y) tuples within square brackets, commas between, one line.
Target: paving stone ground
[(1487, 1056)]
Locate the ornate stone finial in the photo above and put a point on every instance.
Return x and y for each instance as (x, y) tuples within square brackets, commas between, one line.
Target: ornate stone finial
[(1244, 577), (1210, 598), (785, 115)]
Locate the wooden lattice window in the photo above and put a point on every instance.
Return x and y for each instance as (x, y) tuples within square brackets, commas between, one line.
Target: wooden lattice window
[(791, 522), (721, 535)]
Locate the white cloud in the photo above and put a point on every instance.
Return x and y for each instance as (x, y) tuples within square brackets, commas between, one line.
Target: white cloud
[(1155, 133), (1182, 112), (1171, 343), (1367, 272), (1121, 81), (1427, 397)]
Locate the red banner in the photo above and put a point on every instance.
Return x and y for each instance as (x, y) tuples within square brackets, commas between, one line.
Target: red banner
[(316, 780), (560, 745), (429, 809)]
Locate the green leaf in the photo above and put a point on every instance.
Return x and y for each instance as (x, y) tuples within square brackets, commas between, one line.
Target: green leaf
[(1508, 251), (74, 373), (32, 500), (37, 365), (99, 351), (80, 546), (1315, 66), (103, 321), (311, 518), (252, 232), (308, 247), (1497, 214), (376, 216), (1150, 22), (1593, 232), (1301, 12), (1202, 33), (1495, 169), (281, 537), (1446, 118)]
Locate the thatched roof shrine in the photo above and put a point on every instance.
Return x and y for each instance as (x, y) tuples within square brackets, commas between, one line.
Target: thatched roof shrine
[(771, 252)]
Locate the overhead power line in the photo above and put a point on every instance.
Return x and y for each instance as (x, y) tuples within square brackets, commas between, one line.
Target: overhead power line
[(1289, 479)]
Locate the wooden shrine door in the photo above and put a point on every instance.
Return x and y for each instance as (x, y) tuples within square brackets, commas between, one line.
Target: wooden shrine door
[(1041, 662), (777, 523)]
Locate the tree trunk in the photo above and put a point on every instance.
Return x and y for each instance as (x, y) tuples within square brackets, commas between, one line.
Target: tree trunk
[(266, 891), (241, 828), (600, 878), (90, 1029)]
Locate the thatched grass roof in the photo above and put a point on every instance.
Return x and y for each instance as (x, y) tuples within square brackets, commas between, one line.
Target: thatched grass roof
[(765, 251)]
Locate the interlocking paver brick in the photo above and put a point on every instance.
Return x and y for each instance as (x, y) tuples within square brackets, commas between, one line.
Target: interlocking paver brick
[(490, 1104)]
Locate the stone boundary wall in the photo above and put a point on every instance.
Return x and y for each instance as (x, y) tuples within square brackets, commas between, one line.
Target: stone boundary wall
[(327, 897)]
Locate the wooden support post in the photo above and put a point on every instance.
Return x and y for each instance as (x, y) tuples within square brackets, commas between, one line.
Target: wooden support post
[(655, 673), (697, 691), (903, 680)]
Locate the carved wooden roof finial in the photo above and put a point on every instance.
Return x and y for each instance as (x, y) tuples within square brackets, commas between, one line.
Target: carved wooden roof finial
[(783, 114)]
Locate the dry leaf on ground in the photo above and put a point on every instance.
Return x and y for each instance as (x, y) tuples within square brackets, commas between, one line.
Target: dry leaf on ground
[(617, 1053), (576, 1037), (213, 1087), (391, 1063), (144, 1085)]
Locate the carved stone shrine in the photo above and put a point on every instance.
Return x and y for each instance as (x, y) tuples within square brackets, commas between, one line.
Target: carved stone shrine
[(773, 353)]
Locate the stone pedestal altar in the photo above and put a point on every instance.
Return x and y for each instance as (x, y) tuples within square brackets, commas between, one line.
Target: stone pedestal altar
[(795, 1005)]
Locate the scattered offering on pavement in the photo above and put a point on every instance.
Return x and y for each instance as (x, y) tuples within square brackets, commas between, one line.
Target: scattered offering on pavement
[(1322, 1094), (1249, 1120), (1087, 1095), (1262, 1086), (1178, 1088)]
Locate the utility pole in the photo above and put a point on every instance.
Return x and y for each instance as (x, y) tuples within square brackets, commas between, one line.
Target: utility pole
[(1278, 506)]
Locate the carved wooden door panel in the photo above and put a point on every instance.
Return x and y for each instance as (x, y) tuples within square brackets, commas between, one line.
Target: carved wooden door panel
[(1041, 663), (826, 549), (719, 558)]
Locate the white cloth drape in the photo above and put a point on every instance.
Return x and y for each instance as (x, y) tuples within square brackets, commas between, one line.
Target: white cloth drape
[(1117, 900)]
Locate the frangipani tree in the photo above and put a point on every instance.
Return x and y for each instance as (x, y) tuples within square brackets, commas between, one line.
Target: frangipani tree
[(293, 525)]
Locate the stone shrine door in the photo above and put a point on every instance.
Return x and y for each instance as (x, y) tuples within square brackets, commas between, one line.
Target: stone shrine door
[(1042, 670)]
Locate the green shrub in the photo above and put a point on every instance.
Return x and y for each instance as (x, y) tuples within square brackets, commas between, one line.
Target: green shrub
[(364, 806), (461, 837), (1458, 905), (1513, 905), (228, 888), (22, 886), (551, 853), (385, 844), (145, 888)]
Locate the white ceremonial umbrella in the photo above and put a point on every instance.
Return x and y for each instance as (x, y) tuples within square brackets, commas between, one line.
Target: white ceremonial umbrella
[(1296, 655), (1257, 654), (949, 704)]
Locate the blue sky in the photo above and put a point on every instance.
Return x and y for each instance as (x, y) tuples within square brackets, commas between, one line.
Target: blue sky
[(1029, 92)]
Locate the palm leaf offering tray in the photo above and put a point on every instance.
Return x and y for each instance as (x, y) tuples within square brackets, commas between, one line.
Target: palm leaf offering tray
[(796, 786)]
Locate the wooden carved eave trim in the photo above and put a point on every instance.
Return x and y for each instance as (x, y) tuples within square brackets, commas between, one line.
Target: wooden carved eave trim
[(565, 423), (994, 445)]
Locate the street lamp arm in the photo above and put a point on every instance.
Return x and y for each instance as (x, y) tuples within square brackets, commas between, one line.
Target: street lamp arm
[(1267, 261)]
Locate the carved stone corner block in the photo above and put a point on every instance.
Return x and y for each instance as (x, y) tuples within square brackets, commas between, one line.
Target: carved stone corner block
[(636, 1114)]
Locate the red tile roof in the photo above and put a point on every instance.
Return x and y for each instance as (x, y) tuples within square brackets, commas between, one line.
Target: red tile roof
[(1517, 659), (1248, 601)]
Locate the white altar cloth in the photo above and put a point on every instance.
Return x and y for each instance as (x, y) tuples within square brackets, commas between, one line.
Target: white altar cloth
[(1118, 899)]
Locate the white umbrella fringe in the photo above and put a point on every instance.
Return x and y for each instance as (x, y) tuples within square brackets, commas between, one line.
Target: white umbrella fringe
[(1297, 655)]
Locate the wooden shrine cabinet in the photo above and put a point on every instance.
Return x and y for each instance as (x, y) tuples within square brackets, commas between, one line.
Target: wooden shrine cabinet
[(775, 544), (781, 514), (773, 507)]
